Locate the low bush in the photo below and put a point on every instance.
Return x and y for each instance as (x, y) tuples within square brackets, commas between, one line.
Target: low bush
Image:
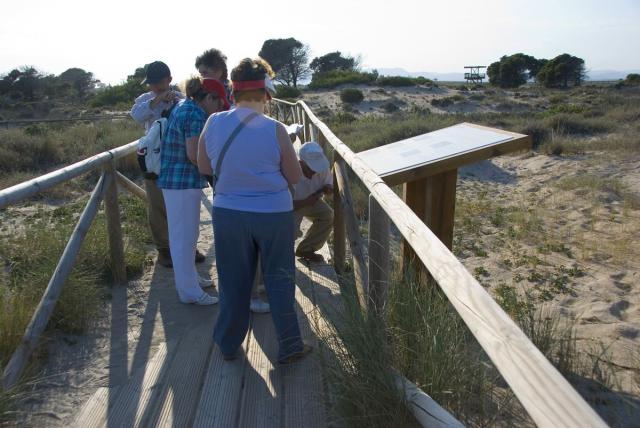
[(446, 101), (285, 91), (331, 79), (400, 81), (389, 107), (351, 96)]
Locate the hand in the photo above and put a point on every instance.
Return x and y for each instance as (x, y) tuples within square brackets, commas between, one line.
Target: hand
[(167, 97), (312, 199)]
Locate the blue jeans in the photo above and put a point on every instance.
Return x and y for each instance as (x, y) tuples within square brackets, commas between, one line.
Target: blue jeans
[(240, 237)]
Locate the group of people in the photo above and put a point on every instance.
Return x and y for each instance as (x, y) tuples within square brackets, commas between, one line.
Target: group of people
[(217, 134)]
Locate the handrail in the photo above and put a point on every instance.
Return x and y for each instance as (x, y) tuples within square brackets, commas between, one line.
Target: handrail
[(546, 395), (106, 190), (40, 317), (14, 194)]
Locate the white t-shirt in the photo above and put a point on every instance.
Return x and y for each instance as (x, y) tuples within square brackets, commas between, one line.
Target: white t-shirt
[(308, 186)]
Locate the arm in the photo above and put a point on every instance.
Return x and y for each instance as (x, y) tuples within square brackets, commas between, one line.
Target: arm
[(288, 159), (192, 128), (192, 149), (141, 110), (204, 163)]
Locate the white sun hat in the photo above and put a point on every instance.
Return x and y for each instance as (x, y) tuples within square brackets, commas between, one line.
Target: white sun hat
[(313, 155)]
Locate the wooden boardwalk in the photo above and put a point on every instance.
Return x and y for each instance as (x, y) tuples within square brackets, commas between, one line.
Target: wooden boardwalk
[(184, 382)]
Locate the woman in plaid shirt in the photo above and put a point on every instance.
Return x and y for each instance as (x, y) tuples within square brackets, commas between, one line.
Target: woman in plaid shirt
[(182, 184)]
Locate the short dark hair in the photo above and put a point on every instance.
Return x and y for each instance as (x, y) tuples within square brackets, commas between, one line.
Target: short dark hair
[(215, 59)]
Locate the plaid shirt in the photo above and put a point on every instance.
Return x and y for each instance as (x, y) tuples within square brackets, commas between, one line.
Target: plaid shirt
[(176, 171)]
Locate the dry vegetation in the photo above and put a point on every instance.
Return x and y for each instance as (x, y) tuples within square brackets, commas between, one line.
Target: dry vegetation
[(552, 234)]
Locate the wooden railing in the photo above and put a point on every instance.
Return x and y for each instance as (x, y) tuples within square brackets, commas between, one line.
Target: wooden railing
[(546, 395), (105, 189)]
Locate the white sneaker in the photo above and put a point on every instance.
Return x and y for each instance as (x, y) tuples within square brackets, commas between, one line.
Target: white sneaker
[(206, 299), (205, 282), (259, 307)]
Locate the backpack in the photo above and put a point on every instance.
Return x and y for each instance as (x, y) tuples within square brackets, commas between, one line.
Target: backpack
[(149, 149)]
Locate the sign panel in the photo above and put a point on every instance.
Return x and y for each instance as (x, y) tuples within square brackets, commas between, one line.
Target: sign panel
[(430, 148)]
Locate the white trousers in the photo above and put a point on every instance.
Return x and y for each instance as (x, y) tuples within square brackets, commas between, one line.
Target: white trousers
[(183, 219)]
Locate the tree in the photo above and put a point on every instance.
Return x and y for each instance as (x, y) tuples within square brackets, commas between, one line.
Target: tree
[(122, 93), (26, 81), (289, 59), (513, 70), (81, 81), (561, 71), (332, 61)]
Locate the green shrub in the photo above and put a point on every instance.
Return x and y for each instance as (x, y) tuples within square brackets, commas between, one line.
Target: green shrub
[(400, 81), (389, 107), (285, 91), (351, 96), (124, 93), (446, 101), (331, 79)]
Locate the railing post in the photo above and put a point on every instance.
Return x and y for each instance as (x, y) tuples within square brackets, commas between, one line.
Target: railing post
[(379, 256), (314, 133), (339, 231), (305, 125), (114, 229)]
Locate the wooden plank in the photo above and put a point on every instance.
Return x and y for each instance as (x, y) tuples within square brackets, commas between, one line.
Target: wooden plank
[(379, 257), (302, 381), (133, 399), (114, 229), (94, 412), (548, 398), (353, 234), (441, 203), (130, 186), (45, 308), (219, 405), (414, 194), (339, 245), (261, 404), (24, 190), (181, 389)]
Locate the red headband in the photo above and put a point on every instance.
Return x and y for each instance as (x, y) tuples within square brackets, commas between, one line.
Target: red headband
[(248, 85)]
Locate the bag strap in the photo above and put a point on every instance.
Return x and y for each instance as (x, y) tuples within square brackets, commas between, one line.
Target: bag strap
[(227, 143)]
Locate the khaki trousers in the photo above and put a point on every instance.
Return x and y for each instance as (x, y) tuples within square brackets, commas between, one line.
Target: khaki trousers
[(321, 216), (157, 215)]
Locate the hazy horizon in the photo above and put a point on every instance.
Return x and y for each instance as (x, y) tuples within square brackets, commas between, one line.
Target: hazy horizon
[(417, 36)]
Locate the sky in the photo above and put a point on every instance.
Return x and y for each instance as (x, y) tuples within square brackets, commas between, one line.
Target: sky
[(112, 38)]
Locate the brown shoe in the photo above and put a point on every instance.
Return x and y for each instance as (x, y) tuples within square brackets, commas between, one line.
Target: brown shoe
[(310, 256), (306, 350), (199, 257), (164, 258)]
